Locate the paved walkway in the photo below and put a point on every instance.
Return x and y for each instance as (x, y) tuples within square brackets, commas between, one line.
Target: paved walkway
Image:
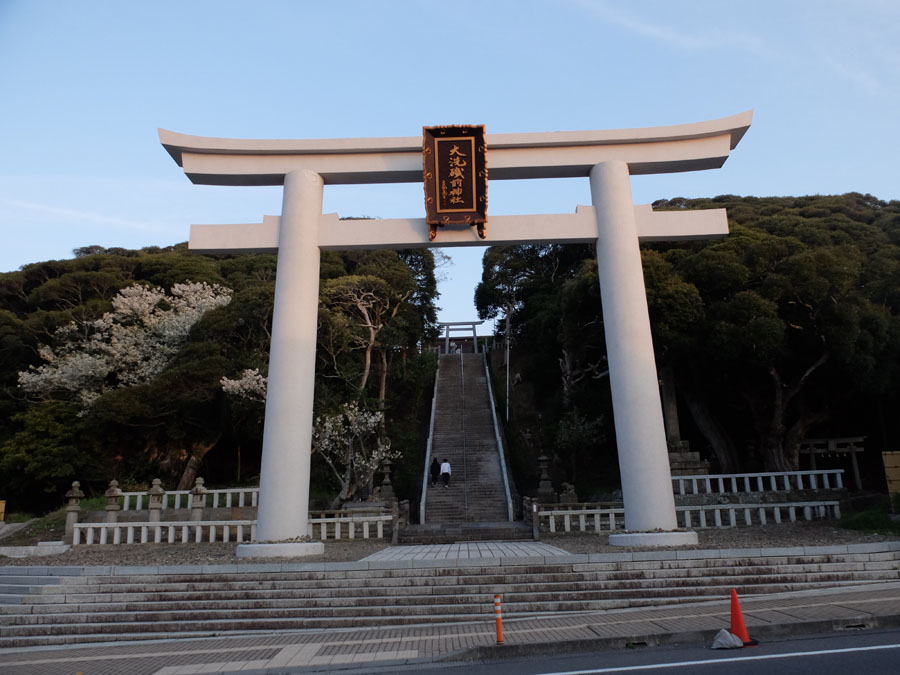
[(769, 618), (475, 549)]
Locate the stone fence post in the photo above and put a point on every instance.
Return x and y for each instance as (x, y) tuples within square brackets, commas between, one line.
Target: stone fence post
[(156, 493), (73, 508), (112, 501), (198, 499)]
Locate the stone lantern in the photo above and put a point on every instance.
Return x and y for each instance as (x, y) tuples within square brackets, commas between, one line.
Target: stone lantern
[(156, 494), (387, 490), (73, 508), (545, 492), (198, 499), (112, 501)]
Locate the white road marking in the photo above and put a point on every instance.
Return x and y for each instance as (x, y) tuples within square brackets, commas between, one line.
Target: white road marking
[(685, 664)]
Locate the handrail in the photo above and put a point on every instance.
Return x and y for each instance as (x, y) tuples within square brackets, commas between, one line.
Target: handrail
[(462, 417), (493, 404), (437, 376)]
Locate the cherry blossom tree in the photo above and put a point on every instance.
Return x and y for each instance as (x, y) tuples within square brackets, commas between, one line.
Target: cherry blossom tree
[(128, 346), (353, 449)]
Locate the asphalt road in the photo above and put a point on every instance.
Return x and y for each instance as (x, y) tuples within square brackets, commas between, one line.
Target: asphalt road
[(870, 652)]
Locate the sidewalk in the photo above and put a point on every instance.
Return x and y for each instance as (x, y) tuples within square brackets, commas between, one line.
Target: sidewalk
[(769, 617)]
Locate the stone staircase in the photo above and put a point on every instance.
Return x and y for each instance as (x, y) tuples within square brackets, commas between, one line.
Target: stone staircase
[(452, 533), (464, 434), (46, 605)]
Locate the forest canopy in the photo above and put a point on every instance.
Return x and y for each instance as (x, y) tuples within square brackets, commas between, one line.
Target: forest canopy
[(140, 364), (785, 329)]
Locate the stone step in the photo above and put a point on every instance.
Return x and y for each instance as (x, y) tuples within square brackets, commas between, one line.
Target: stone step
[(464, 433), (245, 621), (810, 561), (450, 602), (84, 609), (402, 586)]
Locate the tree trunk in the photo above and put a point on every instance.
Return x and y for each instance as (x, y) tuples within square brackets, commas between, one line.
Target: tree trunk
[(565, 367), (775, 445), (771, 447), (797, 433), (382, 389), (722, 445), (367, 366), (382, 378), (198, 452)]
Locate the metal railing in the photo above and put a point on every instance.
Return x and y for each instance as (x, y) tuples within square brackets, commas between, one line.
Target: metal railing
[(462, 421), (437, 376), (492, 402)]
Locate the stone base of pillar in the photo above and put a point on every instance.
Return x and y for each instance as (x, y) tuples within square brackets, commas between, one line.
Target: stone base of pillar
[(285, 549), (677, 538)]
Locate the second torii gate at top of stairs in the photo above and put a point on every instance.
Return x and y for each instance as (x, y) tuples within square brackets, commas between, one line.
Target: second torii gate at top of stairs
[(613, 223), (459, 326)]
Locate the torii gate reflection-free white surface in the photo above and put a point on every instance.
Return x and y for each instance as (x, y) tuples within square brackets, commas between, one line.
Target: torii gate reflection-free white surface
[(613, 222), (459, 326)]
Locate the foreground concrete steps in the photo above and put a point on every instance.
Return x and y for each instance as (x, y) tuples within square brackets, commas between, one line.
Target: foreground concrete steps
[(62, 608)]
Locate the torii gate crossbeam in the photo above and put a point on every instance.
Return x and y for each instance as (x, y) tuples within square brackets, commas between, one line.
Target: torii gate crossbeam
[(607, 158)]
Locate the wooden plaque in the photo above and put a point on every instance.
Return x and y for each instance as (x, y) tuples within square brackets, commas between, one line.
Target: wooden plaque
[(455, 175)]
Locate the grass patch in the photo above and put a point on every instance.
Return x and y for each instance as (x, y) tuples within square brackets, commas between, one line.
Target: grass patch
[(51, 527), (18, 517), (94, 504), (874, 521)]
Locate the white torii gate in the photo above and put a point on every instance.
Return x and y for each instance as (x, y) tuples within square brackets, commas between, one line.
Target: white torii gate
[(614, 223), (459, 326)]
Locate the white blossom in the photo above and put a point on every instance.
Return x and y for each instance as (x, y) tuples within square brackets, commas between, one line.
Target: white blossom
[(130, 345), (250, 385), (351, 445)]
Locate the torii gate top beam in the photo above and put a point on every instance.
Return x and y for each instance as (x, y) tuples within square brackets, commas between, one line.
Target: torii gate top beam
[(560, 154)]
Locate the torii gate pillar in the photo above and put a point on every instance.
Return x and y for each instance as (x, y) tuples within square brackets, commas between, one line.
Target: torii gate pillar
[(284, 473), (640, 432)]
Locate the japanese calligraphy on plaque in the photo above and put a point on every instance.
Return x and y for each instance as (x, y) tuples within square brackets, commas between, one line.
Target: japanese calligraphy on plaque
[(455, 172)]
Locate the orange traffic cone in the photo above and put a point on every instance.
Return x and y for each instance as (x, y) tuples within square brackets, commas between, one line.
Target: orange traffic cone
[(738, 627)]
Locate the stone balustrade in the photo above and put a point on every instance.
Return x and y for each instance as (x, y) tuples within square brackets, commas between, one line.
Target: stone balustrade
[(181, 499), (600, 519), (362, 521), (197, 531), (334, 526), (757, 513), (734, 483), (329, 525)]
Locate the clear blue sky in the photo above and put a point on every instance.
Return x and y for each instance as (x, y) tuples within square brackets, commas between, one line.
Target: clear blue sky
[(86, 84)]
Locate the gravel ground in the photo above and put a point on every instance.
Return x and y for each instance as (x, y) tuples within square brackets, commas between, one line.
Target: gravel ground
[(816, 533)]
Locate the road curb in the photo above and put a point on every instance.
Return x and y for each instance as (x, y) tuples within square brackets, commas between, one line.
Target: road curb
[(767, 632)]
